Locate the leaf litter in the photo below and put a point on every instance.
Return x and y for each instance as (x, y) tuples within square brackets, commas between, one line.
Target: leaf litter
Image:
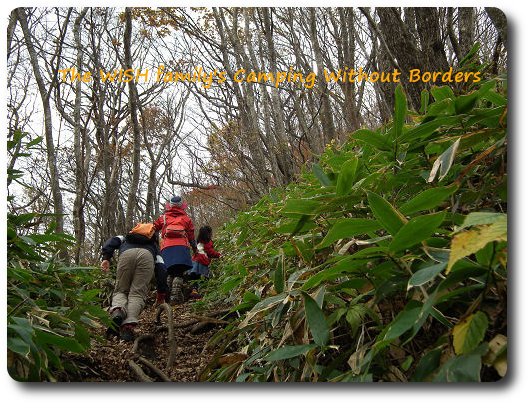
[(108, 360)]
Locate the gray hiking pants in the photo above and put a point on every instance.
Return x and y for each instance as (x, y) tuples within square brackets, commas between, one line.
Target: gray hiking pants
[(133, 276)]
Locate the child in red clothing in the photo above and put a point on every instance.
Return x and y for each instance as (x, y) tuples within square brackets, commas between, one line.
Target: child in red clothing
[(202, 258)]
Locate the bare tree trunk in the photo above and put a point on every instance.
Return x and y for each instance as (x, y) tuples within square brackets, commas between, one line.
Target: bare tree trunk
[(326, 116), (133, 109), (48, 126), (347, 43), (282, 147), (499, 20), (432, 48), (310, 128), (11, 30), (451, 32), (466, 29), (80, 174), (398, 39)]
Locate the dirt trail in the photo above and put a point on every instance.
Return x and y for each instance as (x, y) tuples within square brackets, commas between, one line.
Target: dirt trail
[(110, 360)]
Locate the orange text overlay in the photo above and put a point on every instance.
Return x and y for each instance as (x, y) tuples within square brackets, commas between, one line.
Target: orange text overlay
[(207, 78)]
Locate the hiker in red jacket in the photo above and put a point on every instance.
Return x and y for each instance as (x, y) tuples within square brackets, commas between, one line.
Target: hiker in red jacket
[(178, 236), (202, 258)]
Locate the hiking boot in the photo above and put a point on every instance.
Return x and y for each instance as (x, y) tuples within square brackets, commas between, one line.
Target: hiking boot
[(177, 295), (116, 318), (127, 332)]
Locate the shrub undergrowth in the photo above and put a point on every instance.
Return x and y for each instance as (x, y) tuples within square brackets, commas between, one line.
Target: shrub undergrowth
[(385, 260)]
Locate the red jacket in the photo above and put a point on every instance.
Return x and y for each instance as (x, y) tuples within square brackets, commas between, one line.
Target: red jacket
[(205, 251), (175, 217)]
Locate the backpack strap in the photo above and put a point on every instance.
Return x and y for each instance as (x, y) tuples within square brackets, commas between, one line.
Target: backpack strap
[(164, 229)]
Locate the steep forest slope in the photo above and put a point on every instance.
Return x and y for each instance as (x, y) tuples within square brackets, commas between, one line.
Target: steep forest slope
[(384, 261)]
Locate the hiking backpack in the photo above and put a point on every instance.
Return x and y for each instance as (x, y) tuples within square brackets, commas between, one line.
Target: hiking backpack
[(175, 229)]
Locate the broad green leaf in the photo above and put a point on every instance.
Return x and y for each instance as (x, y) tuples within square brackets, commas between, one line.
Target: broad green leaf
[(468, 334), (17, 345), (336, 316), (23, 327), (445, 106), (402, 323), (348, 228), (97, 311), (470, 241), (279, 313), (287, 352), (425, 275), (11, 144), (297, 225), (460, 369), (464, 103), (427, 365), (293, 278), (61, 342), (467, 141), (373, 139), (316, 321), (51, 358), (346, 176), (81, 335), (355, 283), (319, 295), (424, 101), (90, 294), (415, 231), (400, 111), (250, 297), (344, 266), (301, 206), (469, 55), (441, 93), (21, 219), (269, 302), (495, 98), (34, 142), (320, 175), (444, 162), (355, 315), (407, 363), (426, 310), (482, 218), (425, 129), (230, 284), (242, 236), (389, 217), (428, 199)]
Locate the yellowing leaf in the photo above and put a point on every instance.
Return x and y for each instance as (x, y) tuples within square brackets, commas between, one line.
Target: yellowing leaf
[(496, 347), (468, 334), (501, 364), (468, 242), (231, 358), (497, 355)]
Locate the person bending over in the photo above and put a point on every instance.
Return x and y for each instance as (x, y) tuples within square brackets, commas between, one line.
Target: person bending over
[(138, 258)]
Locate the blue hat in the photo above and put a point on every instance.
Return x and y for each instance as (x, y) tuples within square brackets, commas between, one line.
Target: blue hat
[(175, 202)]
